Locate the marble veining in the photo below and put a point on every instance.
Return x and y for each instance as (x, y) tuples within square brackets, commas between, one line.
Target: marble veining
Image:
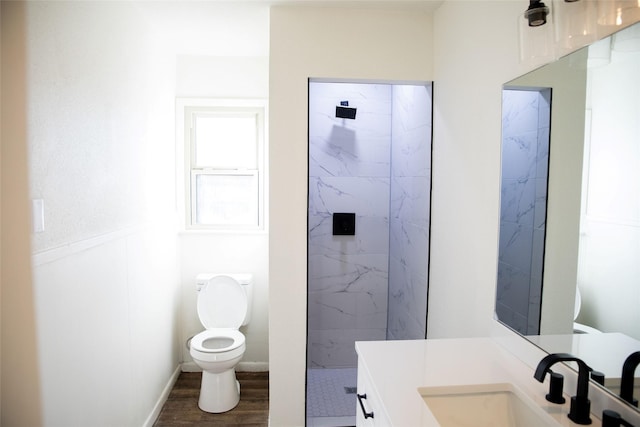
[(372, 285), (409, 213), (349, 194), (368, 239), (525, 158)]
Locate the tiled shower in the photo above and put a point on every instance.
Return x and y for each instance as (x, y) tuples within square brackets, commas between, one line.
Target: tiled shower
[(372, 284), (525, 161)]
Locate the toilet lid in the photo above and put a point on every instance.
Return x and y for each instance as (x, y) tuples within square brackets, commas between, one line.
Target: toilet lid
[(222, 303)]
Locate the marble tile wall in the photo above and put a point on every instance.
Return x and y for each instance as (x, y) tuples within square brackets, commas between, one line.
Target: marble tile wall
[(350, 170), (525, 159), (409, 211), (349, 163)]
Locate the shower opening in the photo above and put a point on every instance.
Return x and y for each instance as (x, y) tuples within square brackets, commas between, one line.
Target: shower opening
[(368, 231)]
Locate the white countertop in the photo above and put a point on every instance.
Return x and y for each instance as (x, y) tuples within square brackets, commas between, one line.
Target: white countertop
[(398, 368)]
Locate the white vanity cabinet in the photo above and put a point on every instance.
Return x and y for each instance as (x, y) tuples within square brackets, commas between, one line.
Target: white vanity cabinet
[(369, 408), (394, 374)]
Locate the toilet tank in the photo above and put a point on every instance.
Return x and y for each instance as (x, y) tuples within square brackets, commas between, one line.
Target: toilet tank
[(245, 279)]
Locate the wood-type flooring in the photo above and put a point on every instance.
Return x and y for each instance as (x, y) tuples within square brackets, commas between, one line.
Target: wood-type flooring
[(181, 408)]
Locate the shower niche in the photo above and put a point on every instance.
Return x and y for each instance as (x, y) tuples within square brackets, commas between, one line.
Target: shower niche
[(367, 275)]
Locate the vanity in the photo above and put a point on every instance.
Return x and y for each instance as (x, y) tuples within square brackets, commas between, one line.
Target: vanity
[(567, 276), (410, 383)]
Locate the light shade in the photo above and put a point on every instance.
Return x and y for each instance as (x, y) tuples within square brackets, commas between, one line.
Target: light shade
[(536, 42), (575, 24), (618, 13)]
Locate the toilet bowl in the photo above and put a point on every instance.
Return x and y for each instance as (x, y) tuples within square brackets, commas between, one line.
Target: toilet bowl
[(223, 306)]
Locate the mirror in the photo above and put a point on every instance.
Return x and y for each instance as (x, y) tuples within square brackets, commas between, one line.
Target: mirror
[(569, 251)]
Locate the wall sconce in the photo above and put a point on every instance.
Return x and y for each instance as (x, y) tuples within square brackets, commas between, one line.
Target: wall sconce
[(572, 25), (536, 14), (575, 24), (536, 40)]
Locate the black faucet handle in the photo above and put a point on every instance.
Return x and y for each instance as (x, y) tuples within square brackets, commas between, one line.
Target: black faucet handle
[(613, 419), (556, 384), (580, 410), (598, 377)]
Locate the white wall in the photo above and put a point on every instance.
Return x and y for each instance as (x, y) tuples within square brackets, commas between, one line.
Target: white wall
[(220, 77), (84, 111), (476, 51), (610, 225), (222, 52), (97, 106), (317, 42), (100, 140), (469, 51)]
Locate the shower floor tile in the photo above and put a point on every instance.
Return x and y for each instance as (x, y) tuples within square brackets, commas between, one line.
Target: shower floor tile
[(331, 398)]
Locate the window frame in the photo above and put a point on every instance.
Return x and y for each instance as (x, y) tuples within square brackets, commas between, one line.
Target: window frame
[(187, 109)]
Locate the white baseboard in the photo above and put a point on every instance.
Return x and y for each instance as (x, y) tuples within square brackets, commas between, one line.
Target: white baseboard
[(242, 367), (253, 367), (155, 413)]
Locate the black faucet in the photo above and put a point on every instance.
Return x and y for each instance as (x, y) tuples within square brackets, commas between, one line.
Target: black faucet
[(628, 372), (580, 405)]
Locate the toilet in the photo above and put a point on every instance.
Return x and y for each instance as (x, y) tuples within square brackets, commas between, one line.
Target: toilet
[(224, 302), (579, 328)]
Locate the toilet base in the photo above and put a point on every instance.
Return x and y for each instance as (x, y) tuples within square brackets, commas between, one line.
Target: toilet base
[(219, 392)]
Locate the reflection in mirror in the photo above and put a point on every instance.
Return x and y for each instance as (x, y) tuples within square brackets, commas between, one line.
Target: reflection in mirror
[(570, 281), (525, 156)]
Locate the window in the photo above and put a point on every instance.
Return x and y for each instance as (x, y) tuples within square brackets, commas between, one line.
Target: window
[(224, 162)]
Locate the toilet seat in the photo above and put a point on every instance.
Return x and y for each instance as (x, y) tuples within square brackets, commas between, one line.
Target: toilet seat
[(217, 340), (217, 344), (579, 328)]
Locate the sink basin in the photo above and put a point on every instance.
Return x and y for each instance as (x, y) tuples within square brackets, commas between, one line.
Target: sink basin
[(495, 405)]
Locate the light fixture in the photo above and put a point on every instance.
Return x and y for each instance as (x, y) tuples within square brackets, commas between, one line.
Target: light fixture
[(575, 25), (536, 40), (617, 13), (537, 13)]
